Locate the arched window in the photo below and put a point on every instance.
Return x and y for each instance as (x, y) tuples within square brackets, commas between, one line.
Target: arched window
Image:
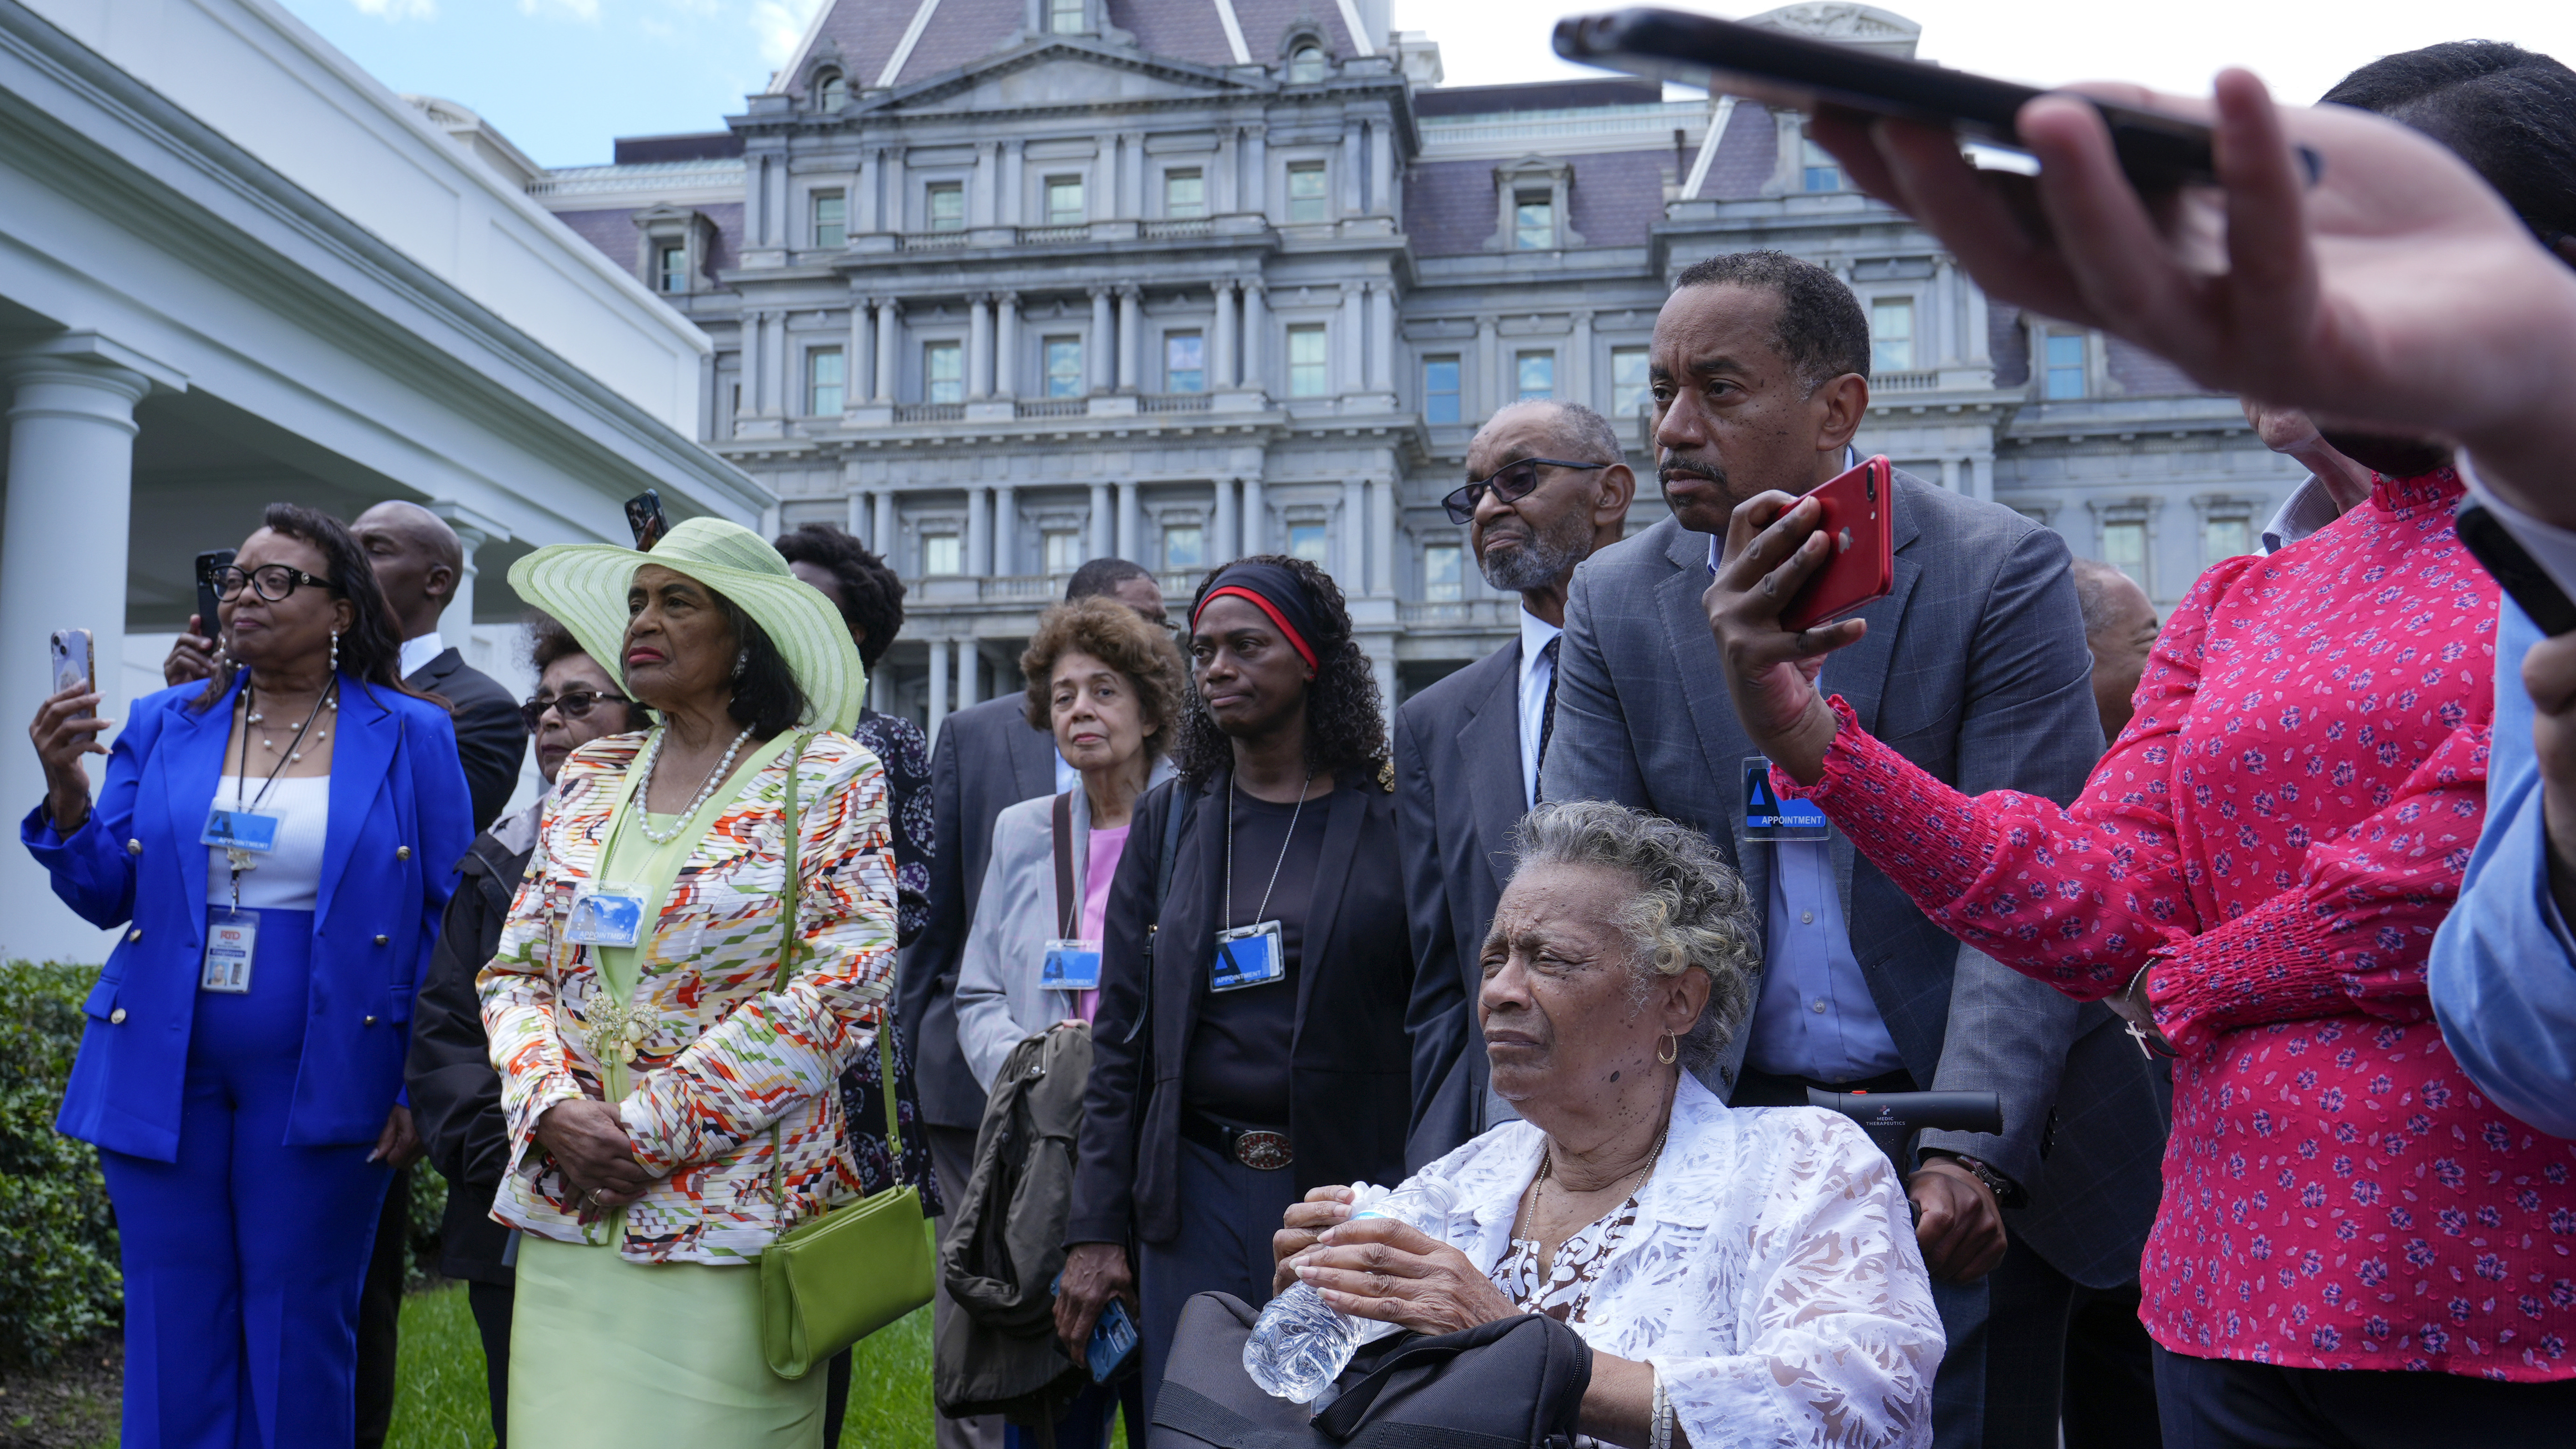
[(830, 90), (1306, 63)]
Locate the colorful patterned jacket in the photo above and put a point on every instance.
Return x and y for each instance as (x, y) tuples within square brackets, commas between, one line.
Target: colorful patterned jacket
[(720, 1058)]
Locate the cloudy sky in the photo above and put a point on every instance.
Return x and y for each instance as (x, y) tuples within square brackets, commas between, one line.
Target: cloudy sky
[(562, 78)]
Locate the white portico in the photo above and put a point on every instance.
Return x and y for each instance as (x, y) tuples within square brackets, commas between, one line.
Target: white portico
[(234, 269)]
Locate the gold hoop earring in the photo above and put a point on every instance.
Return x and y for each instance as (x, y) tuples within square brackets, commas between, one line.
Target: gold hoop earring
[(1668, 1058)]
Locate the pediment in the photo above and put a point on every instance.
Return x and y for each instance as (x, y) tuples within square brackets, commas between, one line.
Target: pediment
[(1061, 72)]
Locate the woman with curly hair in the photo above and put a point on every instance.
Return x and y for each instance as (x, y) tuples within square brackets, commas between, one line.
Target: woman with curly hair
[(1250, 1043)]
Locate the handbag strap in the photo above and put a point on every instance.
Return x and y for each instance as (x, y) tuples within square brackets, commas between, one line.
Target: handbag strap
[(1067, 905)]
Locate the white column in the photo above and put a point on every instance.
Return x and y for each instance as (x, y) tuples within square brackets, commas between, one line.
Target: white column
[(979, 348), (1950, 474), (1006, 531), (938, 685), (1489, 367), (969, 680), (863, 211), (1945, 317), (63, 566), (1131, 185), (1130, 522), (862, 517), (979, 190), (1381, 172), (1220, 548), (1256, 332), (895, 200), (1382, 336), (754, 337), (1006, 345), (855, 369), (889, 336), (1224, 188), (473, 530), (1221, 372), (1350, 334), (1382, 535), (1350, 187), (784, 384), (1354, 551), (1577, 384), (1256, 170), (1974, 346), (1131, 334), (1101, 351), (979, 531), (1256, 519), (1104, 526), (881, 537), (1013, 170)]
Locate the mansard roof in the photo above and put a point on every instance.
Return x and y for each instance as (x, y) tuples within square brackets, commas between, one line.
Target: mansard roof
[(894, 43)]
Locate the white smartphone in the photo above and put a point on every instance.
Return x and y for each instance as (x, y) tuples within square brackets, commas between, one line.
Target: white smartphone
[(72, 662)]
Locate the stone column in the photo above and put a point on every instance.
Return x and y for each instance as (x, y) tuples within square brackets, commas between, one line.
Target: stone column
[(1221, 340), (862, 517), (1130, 523), (882, 535), (1100, 352), (979, 531), (1945, 317), (754, 332), (1382, 535), (1256, 170), (1351, 202), (938, 686), (979, 348), (63, 566), (1351, 339), (1381, 169), (855, 370), (1950, 475), (969, 678), (1382, 336), (863, 208), (473, 530), (1221, 533), (775, 361), (895, 202), (1489, 368), (980, 187), (1006, 531), (1225, 187), (1131, 183), (1975, 350), (1354, 550), (889, 336), (1104, 527), (1006, 345), (1014, 172), (1256, 332), (1577, 383), (1256, 519), (1131, 334)]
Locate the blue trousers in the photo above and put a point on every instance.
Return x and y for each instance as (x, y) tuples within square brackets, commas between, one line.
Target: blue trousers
[(1228, 1212), (243, 1258)]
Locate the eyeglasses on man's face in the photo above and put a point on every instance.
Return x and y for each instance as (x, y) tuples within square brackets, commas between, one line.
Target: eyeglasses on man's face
[(1511, 483), (273, 582), (571, 704)]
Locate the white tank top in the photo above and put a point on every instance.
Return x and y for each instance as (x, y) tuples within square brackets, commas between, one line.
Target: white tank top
[(288, 878)]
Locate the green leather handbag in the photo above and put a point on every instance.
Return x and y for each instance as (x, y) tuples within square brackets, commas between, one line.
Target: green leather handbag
[(840, 1277)]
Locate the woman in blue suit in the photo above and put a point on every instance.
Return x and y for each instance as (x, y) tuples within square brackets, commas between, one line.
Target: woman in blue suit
[(242, 1064)]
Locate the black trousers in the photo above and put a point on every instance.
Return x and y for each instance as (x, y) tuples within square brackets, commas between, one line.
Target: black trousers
[(2110, 1400), (2218, 1403), (492, 1304), (380, 1314), (1228, 1212)]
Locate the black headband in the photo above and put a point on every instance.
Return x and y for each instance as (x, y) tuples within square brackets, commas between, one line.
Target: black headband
[(1279, 593)]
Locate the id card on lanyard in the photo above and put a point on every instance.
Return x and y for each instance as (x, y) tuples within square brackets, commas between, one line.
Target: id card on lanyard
[(1070, 965), (1768, 816), (232, 937), (1248, 956)]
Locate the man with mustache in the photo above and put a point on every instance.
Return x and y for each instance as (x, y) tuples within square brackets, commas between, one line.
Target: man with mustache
[(1545, 487), (1976, 667)]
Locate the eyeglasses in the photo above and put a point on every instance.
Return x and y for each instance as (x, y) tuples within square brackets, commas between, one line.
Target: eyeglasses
[(1511, 483), (571, 704), (274, 582)]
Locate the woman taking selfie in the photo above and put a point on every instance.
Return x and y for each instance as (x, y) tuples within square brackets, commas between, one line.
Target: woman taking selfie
[(670, 1113), (1259, 1049), (1108, 685), (244, 1052)]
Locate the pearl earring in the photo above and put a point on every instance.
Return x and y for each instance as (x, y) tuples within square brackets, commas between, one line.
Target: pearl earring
[(741, 661), (335, 651)]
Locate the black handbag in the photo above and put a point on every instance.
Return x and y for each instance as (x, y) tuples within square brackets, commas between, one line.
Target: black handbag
[(1517, 1381)]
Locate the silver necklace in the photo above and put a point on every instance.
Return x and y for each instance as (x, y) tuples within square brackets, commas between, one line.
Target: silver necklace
[(644, 790), (1261, 912)]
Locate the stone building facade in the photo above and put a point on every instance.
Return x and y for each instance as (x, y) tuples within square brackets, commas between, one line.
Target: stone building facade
[(1004, 284)]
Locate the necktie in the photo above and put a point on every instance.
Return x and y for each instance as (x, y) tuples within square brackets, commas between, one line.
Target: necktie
[(1547, 713)]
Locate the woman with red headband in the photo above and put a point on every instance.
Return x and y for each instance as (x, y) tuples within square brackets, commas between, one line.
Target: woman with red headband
[(1249, 1042)]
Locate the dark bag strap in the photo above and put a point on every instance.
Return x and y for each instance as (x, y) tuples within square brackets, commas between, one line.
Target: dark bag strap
[(1174, 808), (1068, 908)]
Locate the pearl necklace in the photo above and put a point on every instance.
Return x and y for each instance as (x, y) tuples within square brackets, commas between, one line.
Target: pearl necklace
[(715, 777)]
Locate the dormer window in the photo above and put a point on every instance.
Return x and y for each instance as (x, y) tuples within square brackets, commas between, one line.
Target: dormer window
[(1534, 221), (831, 91), (1064, 17), (1818, 170), (1305, 63)]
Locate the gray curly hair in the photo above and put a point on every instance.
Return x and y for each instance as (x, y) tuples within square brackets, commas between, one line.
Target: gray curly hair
[(1689, 908)]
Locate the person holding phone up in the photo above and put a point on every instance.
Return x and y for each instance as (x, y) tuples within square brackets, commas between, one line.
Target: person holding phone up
[(276, 841)]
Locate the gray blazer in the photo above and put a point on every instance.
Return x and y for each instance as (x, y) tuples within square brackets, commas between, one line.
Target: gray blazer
[(987, 758), (999, 1000), (1975, 668), (1457, 797)]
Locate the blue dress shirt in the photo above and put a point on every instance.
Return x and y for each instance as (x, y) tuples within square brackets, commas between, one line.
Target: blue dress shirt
[(2503, 967)]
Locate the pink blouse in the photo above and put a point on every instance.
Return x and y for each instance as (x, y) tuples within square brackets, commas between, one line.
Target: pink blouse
[(2280, 829)]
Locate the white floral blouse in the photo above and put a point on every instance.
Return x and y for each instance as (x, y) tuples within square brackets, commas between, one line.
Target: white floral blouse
[(1769, 1274)]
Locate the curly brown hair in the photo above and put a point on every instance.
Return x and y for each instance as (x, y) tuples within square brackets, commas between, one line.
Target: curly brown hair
[(1345, 725), (1119, 637)]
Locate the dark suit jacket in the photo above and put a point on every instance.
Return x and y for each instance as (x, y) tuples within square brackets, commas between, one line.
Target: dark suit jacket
[(1348, 1065), (1974, 668), (455, 1094), (987, 760), (491, 739), (1457, 796)]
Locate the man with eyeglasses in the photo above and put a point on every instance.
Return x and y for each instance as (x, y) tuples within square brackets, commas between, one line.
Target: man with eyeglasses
[(1545, 488)]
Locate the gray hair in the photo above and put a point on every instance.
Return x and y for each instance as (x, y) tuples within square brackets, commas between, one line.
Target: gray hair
[(1688, 910), (1578, 428)]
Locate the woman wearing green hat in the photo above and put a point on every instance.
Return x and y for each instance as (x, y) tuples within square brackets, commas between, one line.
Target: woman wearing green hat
[(652, 1076)]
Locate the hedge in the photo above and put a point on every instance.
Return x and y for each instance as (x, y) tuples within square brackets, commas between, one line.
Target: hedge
[(59, 1286)]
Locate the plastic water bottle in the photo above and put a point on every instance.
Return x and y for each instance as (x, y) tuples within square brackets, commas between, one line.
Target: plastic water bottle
[(1301, 1343)]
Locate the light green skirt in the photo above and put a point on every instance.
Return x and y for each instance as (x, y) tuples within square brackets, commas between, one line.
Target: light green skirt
[(603, 1351)]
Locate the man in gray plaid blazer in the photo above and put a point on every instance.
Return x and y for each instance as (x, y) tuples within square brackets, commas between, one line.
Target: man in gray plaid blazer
[(1975, 667)]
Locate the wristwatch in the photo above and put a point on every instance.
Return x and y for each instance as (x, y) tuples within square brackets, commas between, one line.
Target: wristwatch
[(2007, 1192)]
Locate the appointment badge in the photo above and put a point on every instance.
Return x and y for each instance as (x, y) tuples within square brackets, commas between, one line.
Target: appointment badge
[(1769, 817)]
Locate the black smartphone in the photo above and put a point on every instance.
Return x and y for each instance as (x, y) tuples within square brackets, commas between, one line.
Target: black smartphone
[(208, 623), (1792, 72), (644, 516), (2516, 571)]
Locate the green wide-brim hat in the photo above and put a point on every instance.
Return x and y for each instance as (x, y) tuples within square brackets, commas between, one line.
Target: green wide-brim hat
[(584, 586)]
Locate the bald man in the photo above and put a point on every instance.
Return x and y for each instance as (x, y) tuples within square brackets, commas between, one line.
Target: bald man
[(2120, 629)]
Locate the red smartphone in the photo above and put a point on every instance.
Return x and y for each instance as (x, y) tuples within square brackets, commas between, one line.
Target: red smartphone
[(1862, 564)]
